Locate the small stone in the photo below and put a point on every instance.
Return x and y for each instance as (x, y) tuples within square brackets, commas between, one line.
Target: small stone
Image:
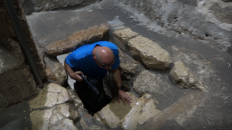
[(207, 63), (149, 52), (129, 67), (55, 70), (184, 78), (90, 35)]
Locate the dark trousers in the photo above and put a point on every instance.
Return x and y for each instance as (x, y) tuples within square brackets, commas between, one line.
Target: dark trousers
[(92, 102)]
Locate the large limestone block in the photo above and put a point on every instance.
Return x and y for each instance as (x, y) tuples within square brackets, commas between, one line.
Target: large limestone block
[(51, 95), (130, 116), (55, 70), (129, 67), (183, 78), (149, 52), (90, 35), (121, 37), (147, 82)]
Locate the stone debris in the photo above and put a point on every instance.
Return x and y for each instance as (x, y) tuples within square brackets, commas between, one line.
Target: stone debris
[(50, 95), (67, 111), (149, 52), (90, 122), (183, 78), (66, 124), (55, 70), (90, 35), (129, 67), (75, 97), (126, 85), (121, 37), (128, 117), (147, 82)]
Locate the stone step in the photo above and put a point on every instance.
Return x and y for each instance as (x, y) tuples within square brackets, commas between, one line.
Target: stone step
[(177, 113)]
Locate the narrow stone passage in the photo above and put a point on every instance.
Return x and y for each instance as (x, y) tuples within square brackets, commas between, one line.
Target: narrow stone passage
[(175, 61)]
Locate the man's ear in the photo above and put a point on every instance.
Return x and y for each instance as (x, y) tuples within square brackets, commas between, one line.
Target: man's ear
[(94, 57)]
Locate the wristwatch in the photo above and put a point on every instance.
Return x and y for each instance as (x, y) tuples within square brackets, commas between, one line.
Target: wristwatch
[(120, 88)]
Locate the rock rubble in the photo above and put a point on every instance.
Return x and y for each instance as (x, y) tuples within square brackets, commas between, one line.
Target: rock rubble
[(183, 78)]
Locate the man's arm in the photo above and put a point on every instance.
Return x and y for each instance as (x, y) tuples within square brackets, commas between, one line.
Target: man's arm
[(74, 75), (121, 94)]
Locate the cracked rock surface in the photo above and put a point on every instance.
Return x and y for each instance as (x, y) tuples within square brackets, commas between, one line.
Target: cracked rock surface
[(51, 95), (128, 117), (149, 52), (90, 35), (50, 110), (184, 78)]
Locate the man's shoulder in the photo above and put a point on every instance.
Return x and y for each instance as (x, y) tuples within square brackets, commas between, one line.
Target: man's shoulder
[(107, 44)]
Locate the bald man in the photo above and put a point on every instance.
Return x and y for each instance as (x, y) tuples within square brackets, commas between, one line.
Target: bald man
[(93, 61)]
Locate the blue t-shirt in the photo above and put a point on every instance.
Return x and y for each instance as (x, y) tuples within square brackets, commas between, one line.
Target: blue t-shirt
[(81, 59)]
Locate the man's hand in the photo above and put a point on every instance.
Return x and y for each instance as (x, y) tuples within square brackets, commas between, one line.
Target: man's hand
[(76, 76), (124, 97)]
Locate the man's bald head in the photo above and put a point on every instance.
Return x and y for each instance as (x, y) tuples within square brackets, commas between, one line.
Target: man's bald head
[(105, 55)]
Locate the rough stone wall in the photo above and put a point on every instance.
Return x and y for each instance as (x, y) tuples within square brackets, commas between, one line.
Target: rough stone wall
[(31, 6), (205, 20), (16, 80), (10, 33)]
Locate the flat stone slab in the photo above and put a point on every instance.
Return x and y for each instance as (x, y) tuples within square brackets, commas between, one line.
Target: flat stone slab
[(149, 52), (90, 35), (51, 95), (128, 117), (183, 78)]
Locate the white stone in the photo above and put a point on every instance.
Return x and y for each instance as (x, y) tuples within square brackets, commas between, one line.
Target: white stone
[(50, 95)]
